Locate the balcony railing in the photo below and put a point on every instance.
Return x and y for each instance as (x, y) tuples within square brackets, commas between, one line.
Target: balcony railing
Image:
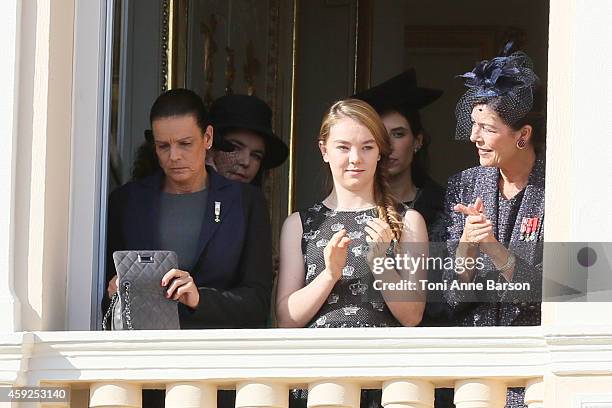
[(333, 364)]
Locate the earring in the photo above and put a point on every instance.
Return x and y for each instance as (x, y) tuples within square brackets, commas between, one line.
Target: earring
[(378, 158), (521, 144), (416, 149)]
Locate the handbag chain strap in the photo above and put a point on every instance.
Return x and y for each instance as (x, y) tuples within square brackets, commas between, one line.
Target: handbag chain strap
[(128, 315)]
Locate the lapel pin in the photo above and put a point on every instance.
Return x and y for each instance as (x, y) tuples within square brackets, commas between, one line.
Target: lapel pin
[(217, 211)]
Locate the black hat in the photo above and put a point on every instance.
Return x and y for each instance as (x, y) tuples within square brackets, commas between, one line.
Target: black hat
[(250, 113), (401, 91)]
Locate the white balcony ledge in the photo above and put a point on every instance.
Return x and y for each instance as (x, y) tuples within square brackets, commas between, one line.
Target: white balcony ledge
[(300, 356)]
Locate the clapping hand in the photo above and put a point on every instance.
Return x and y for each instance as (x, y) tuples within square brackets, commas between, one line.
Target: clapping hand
[(379, 236), (335, 254), (478, 228)]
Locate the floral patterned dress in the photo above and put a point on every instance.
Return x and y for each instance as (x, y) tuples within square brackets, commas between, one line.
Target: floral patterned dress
[(353, 301)]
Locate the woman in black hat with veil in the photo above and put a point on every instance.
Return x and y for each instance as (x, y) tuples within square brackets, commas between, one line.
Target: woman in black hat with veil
[(245, 123)]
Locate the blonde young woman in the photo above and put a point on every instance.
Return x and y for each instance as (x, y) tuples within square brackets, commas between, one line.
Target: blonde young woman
[(331, 246), (328, 251)]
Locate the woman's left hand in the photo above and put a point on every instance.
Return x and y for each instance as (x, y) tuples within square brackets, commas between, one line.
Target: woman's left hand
[(379, 237), (181, 287)]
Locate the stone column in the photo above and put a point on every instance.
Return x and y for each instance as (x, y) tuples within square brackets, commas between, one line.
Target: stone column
[(407, 393), (332, 394), (262, 394), (191, 395), (534, 393), (480, 393), (115, 395)]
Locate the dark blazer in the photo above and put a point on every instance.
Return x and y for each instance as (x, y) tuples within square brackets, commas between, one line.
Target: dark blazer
[(505, 308), (429, 202), (234, 268)]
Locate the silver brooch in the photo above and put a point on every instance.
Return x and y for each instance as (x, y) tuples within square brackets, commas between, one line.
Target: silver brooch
[(217, 211)]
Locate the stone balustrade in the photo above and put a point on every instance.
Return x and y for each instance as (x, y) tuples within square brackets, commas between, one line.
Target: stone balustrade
[(110, 369)]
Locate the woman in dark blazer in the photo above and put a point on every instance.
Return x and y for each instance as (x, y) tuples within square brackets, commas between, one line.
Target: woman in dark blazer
[(497, 208), (219, 228)]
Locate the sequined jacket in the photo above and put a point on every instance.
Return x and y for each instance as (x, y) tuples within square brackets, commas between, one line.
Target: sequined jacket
[(498, 307)]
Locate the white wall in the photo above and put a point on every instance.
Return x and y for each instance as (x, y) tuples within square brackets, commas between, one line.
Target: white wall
[(578, 187), (9, 54), (591, 133), (42, 178)]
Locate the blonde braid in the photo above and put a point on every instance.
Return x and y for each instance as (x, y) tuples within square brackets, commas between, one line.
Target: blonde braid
[(387, 205)]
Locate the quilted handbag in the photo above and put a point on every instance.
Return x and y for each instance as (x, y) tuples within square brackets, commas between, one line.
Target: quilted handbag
[(140, 302)]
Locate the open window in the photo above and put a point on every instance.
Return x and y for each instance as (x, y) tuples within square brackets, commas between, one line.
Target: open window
[(301, 56)]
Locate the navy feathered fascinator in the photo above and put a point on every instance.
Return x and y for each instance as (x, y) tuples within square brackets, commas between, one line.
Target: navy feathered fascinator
[(508, 78)]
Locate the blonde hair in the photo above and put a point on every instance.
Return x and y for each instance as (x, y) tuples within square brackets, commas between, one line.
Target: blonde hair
[(363, 113)]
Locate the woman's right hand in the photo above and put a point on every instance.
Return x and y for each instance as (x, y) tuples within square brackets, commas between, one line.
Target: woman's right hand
[(181, 286), (112, 286), (335, 254)]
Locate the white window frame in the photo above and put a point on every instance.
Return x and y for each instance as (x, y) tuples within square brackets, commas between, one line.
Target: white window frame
[(89, 168)]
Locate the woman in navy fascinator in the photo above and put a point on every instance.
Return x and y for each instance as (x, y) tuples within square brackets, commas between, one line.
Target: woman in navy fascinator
[(497, 208)]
